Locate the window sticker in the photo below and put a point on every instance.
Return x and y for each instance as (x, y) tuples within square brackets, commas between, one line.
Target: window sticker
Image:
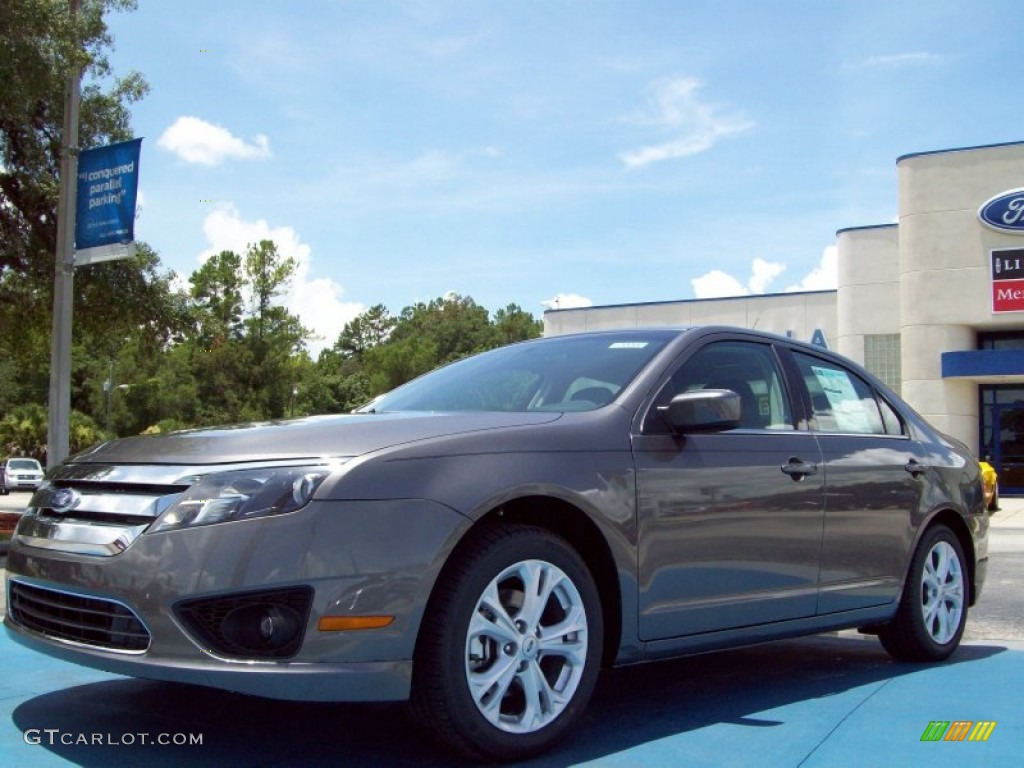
[(847, 408), (628, 345)]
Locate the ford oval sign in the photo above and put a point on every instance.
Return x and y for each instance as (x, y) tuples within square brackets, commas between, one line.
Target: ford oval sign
[(1004, 212)]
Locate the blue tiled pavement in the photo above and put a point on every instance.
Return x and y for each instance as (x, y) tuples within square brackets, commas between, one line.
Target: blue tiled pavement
[(834, 700)]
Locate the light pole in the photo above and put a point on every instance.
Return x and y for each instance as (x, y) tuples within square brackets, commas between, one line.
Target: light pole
[(58, 433)]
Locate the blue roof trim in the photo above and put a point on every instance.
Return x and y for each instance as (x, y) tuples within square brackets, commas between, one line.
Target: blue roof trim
[(693, 301), (869, 226), (983, 362), (901, 158)]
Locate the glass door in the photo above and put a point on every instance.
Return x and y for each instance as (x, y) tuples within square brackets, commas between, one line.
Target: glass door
[(1008, 447)]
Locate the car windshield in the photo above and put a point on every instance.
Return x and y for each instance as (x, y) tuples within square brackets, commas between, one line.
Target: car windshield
[(571, 373), (24, 464)]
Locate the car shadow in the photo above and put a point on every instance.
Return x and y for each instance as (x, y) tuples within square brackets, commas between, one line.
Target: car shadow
[(121, 719)]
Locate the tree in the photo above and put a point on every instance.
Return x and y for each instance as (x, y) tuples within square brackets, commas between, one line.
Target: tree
[(273, 334), (23, 432), (217, 298), (514, 324), (428, 335), (41, 45), (368, 329), (456, 325)]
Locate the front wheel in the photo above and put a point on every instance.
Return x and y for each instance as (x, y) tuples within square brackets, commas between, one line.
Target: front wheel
[(511, 645), (932, 613)]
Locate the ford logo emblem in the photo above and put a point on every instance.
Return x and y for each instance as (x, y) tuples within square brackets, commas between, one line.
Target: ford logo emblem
[(64, 500), (1004, 212)]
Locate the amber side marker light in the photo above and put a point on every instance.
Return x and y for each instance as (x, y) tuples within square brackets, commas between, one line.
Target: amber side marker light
[(344, 623)]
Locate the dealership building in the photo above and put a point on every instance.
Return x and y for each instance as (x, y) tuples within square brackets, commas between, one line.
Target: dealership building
[(933, 304)]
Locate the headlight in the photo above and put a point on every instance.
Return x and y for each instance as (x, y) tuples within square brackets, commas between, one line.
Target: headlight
[(225, 496)]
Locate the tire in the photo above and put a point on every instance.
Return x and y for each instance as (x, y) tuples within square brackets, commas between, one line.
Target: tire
[(932, 613), (499, 677)]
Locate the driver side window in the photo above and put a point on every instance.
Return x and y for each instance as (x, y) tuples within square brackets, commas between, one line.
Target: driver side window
[(747, 368)]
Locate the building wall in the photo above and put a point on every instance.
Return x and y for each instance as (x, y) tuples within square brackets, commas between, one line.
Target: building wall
[(868, 292), (798, 314), (944, 273)]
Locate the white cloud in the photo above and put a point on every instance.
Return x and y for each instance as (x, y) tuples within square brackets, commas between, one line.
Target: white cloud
[(696, 125), (316, 300), (197, 141), (716, 283), (764, 272), (824, 277), (567, 301), (891, 61)]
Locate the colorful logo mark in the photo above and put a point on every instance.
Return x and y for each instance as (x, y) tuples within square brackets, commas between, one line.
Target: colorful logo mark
[(958, 730)]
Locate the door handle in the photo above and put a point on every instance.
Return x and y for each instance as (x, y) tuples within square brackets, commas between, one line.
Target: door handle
[(798, 469), (915, 467)]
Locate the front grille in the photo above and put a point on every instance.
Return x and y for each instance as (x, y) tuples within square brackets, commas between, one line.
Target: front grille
[(74, 618)]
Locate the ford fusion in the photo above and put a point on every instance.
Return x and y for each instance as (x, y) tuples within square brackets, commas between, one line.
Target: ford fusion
[(482, 540)]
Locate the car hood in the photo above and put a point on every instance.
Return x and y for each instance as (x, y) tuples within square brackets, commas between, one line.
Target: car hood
[(308, 438)]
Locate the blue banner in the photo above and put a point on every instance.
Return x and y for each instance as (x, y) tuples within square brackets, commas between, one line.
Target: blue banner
[(108, 179)]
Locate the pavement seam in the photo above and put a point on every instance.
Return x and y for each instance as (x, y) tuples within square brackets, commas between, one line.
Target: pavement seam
[(840, 724)]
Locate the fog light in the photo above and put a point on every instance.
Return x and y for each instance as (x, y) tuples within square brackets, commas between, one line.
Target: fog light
[(253, 625), (261, 627)]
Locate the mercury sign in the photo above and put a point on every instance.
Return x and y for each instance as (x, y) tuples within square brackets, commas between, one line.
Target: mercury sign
[(105, 214), (1008, 280), (1004, 212)]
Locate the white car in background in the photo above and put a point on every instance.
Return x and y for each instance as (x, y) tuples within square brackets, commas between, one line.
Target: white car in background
[(19, 474)]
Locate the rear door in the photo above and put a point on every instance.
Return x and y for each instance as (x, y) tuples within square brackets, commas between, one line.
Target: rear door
[(730, 530), (875, 476)]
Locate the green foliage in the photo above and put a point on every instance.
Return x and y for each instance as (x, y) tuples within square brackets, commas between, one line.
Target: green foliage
[(217, 296), (40, 47), (147, 356), (387, 352), (23, 432), (370, 329)]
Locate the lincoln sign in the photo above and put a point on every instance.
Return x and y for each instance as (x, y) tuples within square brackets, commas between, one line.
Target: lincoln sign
[(1008, 280)]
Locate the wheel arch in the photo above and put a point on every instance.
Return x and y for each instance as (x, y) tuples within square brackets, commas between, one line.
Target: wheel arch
[(572, 524)]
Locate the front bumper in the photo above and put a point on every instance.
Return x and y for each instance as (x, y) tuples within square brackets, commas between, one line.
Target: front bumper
[(294, 681), (358, 557)]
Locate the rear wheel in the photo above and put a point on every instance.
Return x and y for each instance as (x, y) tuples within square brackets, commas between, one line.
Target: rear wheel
[(510, 646), (933, 610)]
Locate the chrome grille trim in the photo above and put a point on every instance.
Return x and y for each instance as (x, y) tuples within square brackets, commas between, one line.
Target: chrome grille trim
[(76, 619), (83, 537), (101, 509)]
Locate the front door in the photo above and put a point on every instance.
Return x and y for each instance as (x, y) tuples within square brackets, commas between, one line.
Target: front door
[(730, 534)]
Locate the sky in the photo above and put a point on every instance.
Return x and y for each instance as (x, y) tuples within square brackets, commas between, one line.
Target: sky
[(549, 154)]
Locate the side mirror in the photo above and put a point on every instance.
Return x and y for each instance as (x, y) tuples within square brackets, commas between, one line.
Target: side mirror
[(703, 410)]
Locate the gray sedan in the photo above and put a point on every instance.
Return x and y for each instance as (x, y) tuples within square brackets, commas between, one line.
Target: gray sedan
[(482, 540)]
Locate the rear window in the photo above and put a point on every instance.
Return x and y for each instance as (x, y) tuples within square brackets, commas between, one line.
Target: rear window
[(843, 402)]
